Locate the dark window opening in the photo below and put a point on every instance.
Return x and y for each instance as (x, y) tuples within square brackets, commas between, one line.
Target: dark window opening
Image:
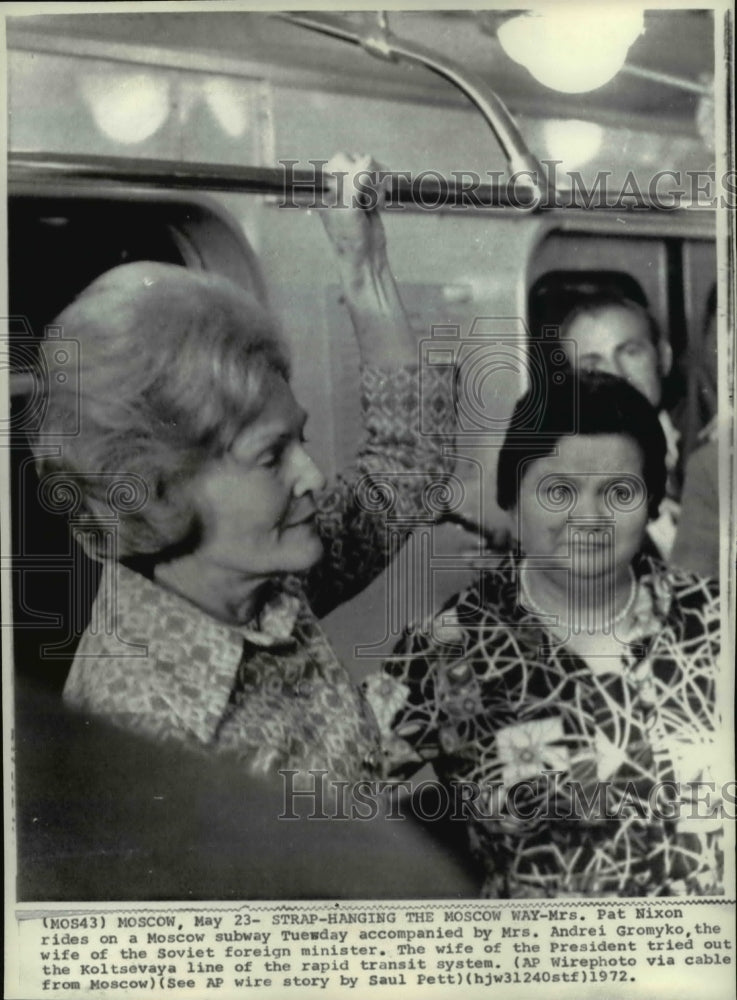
[(57, 247)]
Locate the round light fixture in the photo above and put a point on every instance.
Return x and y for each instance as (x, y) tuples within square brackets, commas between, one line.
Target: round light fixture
[(571, 48), (127, 106), (571, 141), (229, 102)]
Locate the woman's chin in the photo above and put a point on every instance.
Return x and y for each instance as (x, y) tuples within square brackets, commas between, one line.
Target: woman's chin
[(303, 553)]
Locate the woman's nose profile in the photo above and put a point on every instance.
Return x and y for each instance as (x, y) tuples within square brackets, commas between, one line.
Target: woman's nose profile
[(308, 476)]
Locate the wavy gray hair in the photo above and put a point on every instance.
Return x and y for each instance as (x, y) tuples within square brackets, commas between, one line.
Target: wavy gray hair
[(173, 364)]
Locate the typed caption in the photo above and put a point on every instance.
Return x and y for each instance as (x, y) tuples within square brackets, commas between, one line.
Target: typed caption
[(341, 949)]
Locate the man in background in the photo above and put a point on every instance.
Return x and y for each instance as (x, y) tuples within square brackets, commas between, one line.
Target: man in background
[(619, 336)]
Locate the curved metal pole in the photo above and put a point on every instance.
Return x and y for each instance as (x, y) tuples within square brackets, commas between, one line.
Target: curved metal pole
[(387, 46)]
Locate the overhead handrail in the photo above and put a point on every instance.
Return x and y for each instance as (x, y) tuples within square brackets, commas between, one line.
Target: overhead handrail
[(382, 43), (301, 187), (294, 185)]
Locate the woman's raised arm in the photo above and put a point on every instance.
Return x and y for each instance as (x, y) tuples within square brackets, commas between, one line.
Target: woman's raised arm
[(407, 412), (355, 229)]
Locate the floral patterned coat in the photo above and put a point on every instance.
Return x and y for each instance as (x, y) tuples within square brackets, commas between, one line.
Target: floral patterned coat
[(567, 775)]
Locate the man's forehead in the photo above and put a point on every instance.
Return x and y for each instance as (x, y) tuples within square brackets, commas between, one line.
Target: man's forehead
[(609, 322)]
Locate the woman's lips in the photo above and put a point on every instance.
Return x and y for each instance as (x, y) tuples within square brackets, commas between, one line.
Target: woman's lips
[(305, 518), (599, 545)]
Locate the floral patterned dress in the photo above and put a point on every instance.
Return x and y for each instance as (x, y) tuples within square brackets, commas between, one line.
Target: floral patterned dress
[(575, 780)]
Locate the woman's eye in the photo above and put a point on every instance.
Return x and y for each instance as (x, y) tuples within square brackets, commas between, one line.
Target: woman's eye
[(271, 459), (556, 494), (625, 494)]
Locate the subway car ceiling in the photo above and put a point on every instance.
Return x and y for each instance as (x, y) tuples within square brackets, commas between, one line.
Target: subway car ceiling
[(675, 42), (160, 135)]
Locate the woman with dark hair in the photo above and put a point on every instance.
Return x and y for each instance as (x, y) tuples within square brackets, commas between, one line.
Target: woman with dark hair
[(220, 545), (569, 698)]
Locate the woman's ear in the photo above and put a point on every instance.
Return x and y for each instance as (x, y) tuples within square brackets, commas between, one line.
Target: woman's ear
[(665, 357)]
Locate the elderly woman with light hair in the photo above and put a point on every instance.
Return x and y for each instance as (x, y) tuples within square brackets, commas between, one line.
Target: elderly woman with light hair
[(218, 570)]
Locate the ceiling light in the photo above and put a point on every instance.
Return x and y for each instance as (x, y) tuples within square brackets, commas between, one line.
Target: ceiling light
[(571, 141), (572, 48), (229, 101), (128, 106)]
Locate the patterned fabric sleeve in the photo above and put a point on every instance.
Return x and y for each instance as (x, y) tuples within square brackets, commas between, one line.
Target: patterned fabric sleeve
[(407, 418), (405, 697)]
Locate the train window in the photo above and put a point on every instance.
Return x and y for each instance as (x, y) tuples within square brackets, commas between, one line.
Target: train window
[(60, 243), (56, 250)]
